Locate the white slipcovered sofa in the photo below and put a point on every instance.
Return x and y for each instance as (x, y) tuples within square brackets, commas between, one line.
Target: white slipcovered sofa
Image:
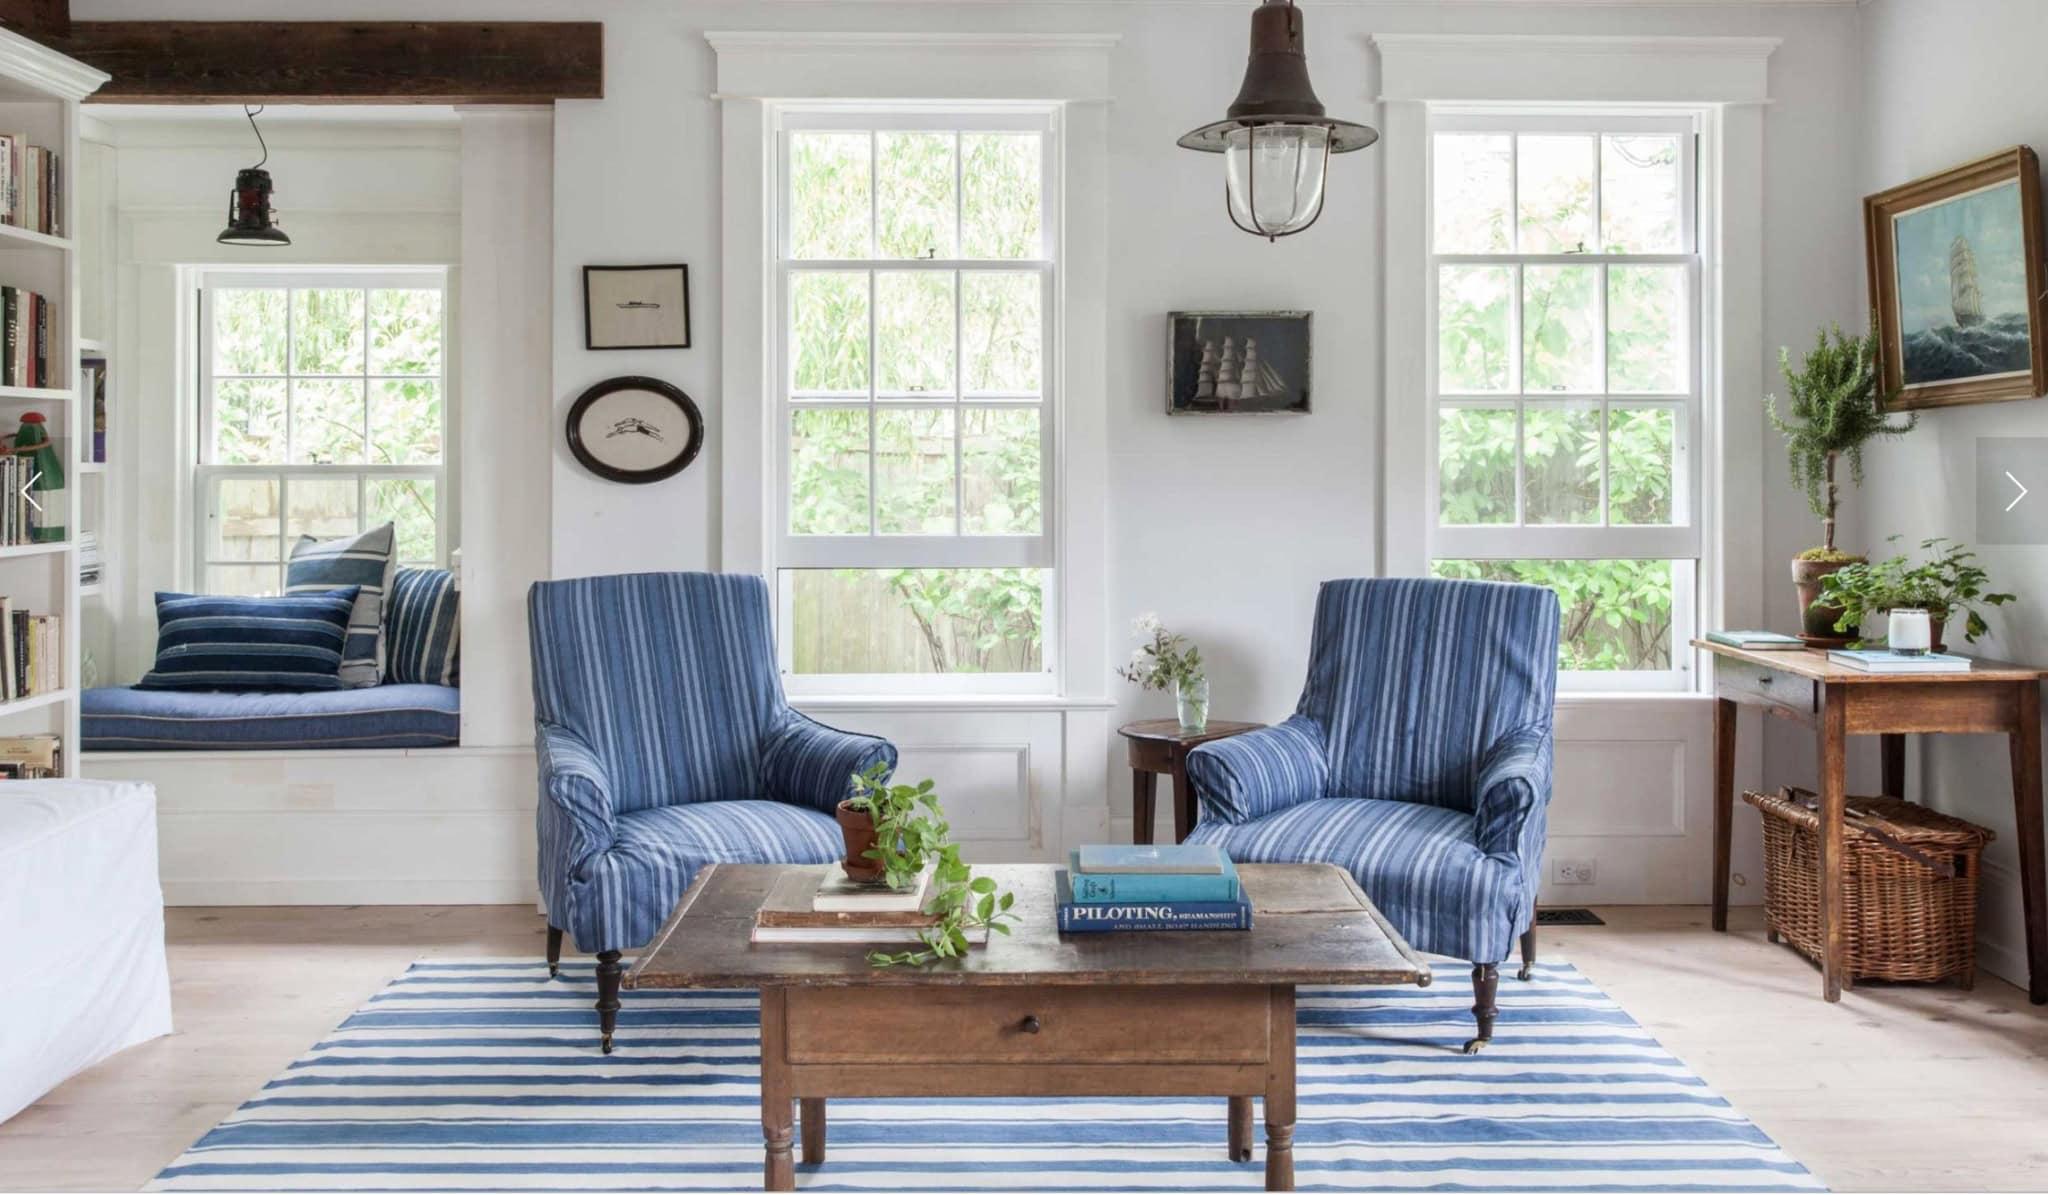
[(82, 972)]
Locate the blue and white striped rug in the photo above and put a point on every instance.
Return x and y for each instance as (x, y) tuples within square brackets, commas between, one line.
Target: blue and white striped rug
[(483, 1075)]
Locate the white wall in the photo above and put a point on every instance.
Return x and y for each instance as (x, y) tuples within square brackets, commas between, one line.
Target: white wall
[(1945, 90), (1221, 525)]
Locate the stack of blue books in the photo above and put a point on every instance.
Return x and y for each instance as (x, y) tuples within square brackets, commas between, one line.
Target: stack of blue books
[(1113, 888)]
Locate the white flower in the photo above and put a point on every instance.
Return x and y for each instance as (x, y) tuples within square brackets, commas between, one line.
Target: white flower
[(1138, 660), (1148, 624)]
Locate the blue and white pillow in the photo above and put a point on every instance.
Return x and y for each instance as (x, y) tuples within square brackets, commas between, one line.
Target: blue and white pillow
[(364, 562), (423, 628), (205, 641)]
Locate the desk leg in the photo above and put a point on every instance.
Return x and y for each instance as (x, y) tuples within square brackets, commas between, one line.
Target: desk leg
[(778, 1109), (1894, 764), (1724, 804), (2026, 808), (1280, 1090), (1183, 800), (1240, 1128), (1833, 739), (1142, 789)]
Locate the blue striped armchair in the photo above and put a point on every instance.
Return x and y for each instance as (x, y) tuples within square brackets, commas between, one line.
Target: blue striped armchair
[(665, 744), (1418, 759)]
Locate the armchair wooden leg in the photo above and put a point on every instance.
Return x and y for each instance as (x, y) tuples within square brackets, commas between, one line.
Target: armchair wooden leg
[(609, 973), (1485, 984), (554, 952), (1528, 948)]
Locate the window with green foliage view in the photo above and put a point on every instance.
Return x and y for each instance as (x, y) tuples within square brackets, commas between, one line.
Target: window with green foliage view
[(321, 413), (1565, 272), (915, 278)]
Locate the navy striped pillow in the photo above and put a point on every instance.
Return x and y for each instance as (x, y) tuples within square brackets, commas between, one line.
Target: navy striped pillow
[(210, 642), (421, 639), (366, 562)]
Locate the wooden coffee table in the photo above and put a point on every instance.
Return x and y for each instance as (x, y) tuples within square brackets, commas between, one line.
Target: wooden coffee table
[(1036, 1013)]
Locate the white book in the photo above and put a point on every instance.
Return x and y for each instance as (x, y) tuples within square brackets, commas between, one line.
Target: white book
[(838, 894), (868, 935), (1892, 661)]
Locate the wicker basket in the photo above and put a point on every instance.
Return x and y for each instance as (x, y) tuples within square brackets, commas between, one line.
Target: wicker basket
[(1909, 884)]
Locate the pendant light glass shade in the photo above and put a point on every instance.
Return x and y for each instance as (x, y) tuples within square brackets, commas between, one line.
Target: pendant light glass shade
[(1275, 139), (1274, 175), (251, 220)]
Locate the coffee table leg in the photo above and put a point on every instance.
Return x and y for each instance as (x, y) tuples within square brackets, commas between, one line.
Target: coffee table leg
[(813, 1113), (1280, 1092), (778, 1119), (1240, 1128)]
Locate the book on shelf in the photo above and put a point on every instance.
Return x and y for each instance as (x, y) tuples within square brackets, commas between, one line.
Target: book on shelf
[(31, 756), (1756, 640), (1089, 917), (89, 562), (92, 385), (31, 186), (22, 514), (25, 349), (1215, 877), (31, 651), (1898, 662)]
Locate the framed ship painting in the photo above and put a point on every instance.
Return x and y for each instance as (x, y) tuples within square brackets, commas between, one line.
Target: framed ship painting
[(1228, 362), (1956, 280)]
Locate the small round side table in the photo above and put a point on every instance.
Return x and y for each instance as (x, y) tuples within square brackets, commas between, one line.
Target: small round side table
[(1159, 747)]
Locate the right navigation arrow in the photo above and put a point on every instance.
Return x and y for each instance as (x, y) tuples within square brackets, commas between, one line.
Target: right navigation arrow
[(2016, 482)]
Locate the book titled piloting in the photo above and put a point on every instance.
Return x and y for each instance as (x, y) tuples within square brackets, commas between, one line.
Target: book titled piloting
[(1083, 917)]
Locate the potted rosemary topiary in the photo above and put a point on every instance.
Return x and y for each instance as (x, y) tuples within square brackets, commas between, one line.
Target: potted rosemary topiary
[(1836, 406)]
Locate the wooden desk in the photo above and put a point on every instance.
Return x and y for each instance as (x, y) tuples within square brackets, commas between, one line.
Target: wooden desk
[(1836, 702), (1036, 1013), (1159, 747)]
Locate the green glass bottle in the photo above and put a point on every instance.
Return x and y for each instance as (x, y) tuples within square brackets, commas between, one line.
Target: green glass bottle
[(46, 479)]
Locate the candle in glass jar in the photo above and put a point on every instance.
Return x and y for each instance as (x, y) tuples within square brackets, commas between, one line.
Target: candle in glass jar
[(1910, 633)]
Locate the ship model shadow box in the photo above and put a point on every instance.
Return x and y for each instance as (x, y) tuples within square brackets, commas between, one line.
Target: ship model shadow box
[(1956, 280), (1230, 362)]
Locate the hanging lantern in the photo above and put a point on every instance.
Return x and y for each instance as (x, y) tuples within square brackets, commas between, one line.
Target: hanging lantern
[(250, 218), (1275, 140)]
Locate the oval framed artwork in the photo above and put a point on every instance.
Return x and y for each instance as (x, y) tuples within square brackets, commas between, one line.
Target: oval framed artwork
[(635, 430)]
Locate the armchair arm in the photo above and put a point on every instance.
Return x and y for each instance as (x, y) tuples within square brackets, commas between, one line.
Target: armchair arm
[(575, 785), (805, 762), (1514, 787), (1248, 776)]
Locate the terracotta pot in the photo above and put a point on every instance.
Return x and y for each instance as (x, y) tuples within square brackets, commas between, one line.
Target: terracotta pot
[(1806, 579), (857, 827)]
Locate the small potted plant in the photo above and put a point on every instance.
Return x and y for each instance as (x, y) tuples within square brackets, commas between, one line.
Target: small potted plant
[(1169, 661), (1949, 582), (1836, 406), (899, 831)]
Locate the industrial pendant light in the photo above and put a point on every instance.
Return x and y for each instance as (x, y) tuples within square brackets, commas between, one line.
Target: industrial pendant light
[(1276, 143), (250, 220)]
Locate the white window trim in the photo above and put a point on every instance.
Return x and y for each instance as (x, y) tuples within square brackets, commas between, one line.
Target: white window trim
[(1724, 81), (205, 472), (761, 73)]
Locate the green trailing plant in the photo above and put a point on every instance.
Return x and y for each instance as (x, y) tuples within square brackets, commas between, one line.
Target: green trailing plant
[(1950, 580), (1836, 405), (911, 833), (1163, 662)]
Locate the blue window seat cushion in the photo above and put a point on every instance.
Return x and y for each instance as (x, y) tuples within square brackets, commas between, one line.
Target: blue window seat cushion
[(122, 719)]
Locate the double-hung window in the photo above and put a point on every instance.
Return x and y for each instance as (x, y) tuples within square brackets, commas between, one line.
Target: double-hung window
[(322, 412), (914, 416), (1566, 375)]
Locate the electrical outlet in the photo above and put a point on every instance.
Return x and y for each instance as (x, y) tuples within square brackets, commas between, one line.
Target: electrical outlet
[(1571, 871)]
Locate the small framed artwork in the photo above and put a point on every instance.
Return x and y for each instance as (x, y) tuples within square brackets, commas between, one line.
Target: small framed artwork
[(1956, 281), (635, 430), (1230, 362), (636, 307)]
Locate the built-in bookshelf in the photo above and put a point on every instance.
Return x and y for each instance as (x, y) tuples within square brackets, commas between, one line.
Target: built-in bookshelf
[(40, 91)]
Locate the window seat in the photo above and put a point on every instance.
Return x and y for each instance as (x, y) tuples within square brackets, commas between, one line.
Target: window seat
[(124, 719)]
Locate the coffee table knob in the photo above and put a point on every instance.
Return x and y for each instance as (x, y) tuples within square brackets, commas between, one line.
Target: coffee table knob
[(1029, 1025)]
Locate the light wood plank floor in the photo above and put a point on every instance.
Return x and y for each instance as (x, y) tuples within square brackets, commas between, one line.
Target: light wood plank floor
[(1897, 1088)]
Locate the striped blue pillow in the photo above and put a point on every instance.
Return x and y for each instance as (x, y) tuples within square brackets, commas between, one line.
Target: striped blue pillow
[(364, 561), (422, 633), (210, 642)]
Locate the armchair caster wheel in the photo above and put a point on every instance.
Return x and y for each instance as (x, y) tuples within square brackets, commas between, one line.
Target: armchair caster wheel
[(1241, 1155), (554, 969), (606, 1044), (1524, 973), (1475, 1045)]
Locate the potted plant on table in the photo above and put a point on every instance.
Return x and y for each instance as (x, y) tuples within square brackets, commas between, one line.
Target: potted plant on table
[(1169, 661), (893, 832), (1836, 406), (1949, 582)]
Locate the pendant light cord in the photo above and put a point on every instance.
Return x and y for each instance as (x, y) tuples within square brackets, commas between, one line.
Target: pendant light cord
[(252, 113)]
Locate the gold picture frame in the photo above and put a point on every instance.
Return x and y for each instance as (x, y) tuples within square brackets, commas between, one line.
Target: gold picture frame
[(1956, 276)]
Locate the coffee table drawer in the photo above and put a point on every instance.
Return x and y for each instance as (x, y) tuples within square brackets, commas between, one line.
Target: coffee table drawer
[(1026, 1024)]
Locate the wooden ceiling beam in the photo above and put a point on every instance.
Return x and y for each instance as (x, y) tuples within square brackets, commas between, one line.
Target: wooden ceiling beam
[(340, 62), (36, 19)]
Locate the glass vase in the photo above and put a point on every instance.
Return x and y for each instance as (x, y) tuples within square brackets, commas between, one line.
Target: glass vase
[(1191, 702)]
